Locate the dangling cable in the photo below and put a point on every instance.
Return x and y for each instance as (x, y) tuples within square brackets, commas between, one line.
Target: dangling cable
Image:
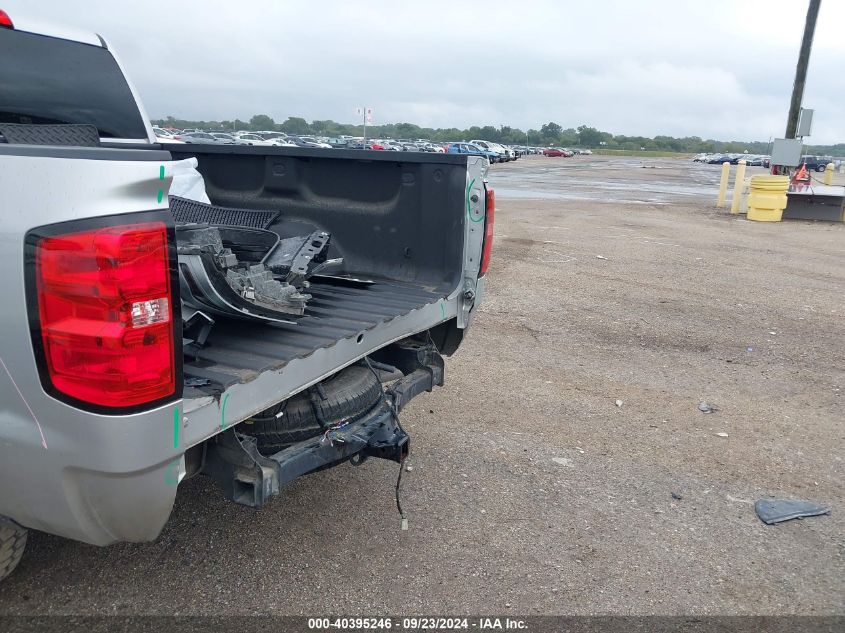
[(392, 407)]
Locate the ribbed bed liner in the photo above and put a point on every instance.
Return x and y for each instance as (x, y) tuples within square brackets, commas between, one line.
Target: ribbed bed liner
[(238, 351)]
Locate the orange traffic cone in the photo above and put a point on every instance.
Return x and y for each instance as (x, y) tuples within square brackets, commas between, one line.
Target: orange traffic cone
[(801, 175)]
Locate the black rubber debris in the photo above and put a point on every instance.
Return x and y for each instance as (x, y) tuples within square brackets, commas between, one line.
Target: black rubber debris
[(773, 511)]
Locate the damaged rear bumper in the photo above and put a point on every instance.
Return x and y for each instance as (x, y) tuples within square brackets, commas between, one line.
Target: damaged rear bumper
[(249, 478)]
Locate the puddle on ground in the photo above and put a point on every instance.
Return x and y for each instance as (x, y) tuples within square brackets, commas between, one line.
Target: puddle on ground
[(631, 184), (591, 196)]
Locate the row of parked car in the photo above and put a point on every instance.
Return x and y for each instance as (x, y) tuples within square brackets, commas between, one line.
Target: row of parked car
[(565, 152), (752, 160), (813, 163), (494, 152)]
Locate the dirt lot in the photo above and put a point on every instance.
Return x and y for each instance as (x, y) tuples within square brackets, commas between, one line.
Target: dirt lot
[(531, 491)]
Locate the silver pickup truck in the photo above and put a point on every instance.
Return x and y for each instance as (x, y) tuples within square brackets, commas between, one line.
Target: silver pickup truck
[(276, 329)]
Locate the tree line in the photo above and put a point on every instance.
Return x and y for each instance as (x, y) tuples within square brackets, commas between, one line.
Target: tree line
[(550, 133)]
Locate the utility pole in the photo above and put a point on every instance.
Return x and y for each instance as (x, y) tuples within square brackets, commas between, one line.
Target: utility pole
[(801, 68)]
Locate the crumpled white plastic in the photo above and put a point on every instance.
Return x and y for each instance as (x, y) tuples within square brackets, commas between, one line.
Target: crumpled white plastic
[(187, 181)]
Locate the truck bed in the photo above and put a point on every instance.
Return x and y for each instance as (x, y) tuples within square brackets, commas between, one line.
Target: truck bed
[(238, 351), (407, 221)]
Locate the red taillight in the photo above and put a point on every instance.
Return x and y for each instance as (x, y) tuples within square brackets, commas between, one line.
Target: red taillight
[(105, 315), (5, 20), (489, 218)]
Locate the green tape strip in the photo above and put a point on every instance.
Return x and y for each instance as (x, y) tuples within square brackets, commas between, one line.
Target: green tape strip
[(160, 177), (442, 310), (469, 213), (176, 420), (223, 411)]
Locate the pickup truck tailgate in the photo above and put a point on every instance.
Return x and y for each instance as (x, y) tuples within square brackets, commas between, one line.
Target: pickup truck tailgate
[(245, 368)]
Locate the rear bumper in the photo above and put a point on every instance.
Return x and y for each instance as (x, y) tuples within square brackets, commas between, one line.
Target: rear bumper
[(249, 478)]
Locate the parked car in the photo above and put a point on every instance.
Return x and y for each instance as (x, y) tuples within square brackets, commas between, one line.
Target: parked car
[(165, 136), (492, 147), (718, 159), (253, 139), (816, 163), (206, 137), (120, 388), (281, 141), (755, 161), (309, 141), (556, 151), (473, 150), (300, 141), (229, 139)]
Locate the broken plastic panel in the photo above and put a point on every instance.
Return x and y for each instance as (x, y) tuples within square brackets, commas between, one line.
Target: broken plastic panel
[(213, 279)]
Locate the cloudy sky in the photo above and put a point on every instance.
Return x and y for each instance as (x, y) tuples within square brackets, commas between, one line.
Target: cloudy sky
[(716, 68)]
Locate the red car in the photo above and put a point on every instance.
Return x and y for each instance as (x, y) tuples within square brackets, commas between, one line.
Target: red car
[(553, 151)]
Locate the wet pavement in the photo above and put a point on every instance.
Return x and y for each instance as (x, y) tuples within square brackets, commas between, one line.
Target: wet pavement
[(623, 180)]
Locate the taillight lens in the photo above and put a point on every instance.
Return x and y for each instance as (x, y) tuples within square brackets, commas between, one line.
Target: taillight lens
[(105, 315), (489, 218), (5, 20)]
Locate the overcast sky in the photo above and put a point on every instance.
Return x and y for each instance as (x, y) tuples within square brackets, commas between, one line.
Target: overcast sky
[(716, 68)]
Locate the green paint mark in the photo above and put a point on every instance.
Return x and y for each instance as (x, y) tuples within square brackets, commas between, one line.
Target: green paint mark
[(160, 195), (469, 213), (161, 173), (176, 427), (171, 473), (442, 311), (223, 412)]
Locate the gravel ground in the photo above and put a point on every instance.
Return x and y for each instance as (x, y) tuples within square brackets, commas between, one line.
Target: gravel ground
[(532, 491)]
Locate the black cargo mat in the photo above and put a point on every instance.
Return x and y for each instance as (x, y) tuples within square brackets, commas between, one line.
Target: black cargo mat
[(190, 211), (239, 351)]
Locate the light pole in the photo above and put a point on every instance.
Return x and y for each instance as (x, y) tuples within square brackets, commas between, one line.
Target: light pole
[(801, 68)]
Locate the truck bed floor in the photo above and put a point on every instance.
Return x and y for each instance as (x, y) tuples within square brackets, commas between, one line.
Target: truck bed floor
[(238, 351)]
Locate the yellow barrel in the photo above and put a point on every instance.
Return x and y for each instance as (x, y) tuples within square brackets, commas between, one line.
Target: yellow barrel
[(767, 198)]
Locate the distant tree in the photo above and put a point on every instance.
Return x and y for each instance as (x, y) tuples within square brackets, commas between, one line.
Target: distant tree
[(406, 130), (550, 131), (262, 122), (329, 127), (589, 136), (295, 125), (569, 136)]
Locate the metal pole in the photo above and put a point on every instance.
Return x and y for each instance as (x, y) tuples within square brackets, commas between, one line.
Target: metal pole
[(365, 126), (801, 68)]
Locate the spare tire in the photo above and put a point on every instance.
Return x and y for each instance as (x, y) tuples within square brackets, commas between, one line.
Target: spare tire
[(343, 397)]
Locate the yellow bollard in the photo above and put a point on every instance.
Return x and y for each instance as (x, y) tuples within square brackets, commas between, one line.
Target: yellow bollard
[(723, 184), (828, 174), (739, 183)]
